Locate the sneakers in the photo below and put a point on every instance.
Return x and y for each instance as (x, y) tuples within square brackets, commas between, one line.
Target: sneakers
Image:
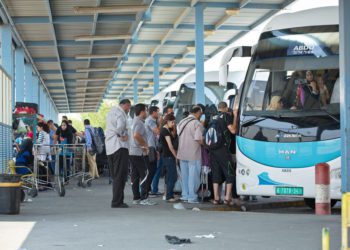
[(155, 194), (171, 200), (148, 202), (193, 201), (136, 202), (183, 199)]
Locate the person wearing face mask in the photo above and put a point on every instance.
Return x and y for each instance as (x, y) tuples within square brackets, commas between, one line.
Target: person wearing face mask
[(190, 132)]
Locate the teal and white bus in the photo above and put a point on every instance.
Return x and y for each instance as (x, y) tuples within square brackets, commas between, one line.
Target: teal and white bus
[(289, 117)]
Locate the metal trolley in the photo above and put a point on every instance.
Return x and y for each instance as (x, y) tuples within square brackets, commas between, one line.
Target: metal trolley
[(65, 161)]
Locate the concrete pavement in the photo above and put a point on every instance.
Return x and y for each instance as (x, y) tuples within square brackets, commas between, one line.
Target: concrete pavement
[(83, 219)]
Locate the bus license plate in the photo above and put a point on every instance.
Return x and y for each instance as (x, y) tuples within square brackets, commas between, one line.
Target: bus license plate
[(297, 191)]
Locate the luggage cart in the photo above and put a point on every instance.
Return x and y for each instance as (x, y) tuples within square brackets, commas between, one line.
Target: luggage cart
[(54, 181), (73, 162)]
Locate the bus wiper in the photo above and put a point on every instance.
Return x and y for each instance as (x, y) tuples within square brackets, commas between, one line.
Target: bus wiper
[(255, 120), (330, 115)]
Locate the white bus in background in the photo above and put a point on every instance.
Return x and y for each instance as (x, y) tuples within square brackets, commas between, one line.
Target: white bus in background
[(233, 63), (286, 124), (219, 85), (166, 97), (214, 93)]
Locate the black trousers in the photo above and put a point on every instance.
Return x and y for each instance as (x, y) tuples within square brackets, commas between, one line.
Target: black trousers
[(118, 163), (139, 176), (152, 167)]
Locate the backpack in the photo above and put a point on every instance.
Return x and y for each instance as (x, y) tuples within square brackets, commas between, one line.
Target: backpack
[(97, 143), (215, 135)]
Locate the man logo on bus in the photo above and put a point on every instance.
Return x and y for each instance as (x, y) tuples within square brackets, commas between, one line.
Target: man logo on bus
[(287, 153)]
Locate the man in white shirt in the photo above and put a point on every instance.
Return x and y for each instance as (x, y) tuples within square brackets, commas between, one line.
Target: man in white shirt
[(117, 149)]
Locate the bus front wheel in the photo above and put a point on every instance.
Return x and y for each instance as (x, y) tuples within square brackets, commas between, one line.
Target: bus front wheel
[(310, 202)]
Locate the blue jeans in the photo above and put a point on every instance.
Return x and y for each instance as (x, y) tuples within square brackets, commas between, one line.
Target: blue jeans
[(190, 176), (171, 176), (157, 174)]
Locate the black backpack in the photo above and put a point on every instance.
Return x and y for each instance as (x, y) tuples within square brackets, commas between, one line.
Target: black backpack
[(215, 137)]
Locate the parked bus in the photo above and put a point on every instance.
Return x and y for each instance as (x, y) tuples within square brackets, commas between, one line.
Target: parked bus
[(289, 117), (214, 93)]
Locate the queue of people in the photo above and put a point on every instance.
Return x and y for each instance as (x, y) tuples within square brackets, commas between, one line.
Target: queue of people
[(49, 134), (155, 142)]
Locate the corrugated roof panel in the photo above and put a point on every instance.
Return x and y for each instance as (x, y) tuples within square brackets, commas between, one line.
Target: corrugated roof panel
[(72, 51), (151, 34), (121, 2), (47, 65), (51, 76), (66, 7), (73, 65), (172, 50), (184, 35), (221, 36), (70, 31), (107, 49), (142, 48), (164, 15), (37, 32), (100, 74), (112, 29), (27, 7), (47, 51), (101, 64), (136, 59), (247, 17), (50, 85), (269, 1), (74, 76)]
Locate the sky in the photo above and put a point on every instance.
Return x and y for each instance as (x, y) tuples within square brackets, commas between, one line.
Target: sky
[(252, 36)]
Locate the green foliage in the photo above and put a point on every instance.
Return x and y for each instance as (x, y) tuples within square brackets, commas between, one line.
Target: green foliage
[(77, 122), (98, 119)]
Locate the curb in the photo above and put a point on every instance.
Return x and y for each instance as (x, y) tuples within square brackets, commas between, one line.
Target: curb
[(252, 207)]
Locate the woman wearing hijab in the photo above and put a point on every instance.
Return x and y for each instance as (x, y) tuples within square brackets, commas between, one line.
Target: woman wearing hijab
[(64, 136)]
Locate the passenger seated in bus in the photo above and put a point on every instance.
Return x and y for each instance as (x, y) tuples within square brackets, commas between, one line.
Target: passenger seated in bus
[(275, 103), (324, 93), (307, 94)]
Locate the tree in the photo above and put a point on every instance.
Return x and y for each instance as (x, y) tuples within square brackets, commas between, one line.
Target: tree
[(98, 119)]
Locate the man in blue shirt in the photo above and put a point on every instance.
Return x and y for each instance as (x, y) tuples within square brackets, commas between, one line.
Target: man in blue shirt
[(152, 131), (91, 155)]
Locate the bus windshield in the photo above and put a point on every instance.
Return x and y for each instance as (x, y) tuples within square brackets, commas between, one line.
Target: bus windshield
[(294, 73)]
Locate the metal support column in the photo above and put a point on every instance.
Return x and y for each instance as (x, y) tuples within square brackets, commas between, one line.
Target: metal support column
[(6, 49), (47, 106), (344, 78), (156, 74), (28, 77), (136, 89), (344, 67), (200, 98), (19, 75), (41, 99), (35, 89)]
